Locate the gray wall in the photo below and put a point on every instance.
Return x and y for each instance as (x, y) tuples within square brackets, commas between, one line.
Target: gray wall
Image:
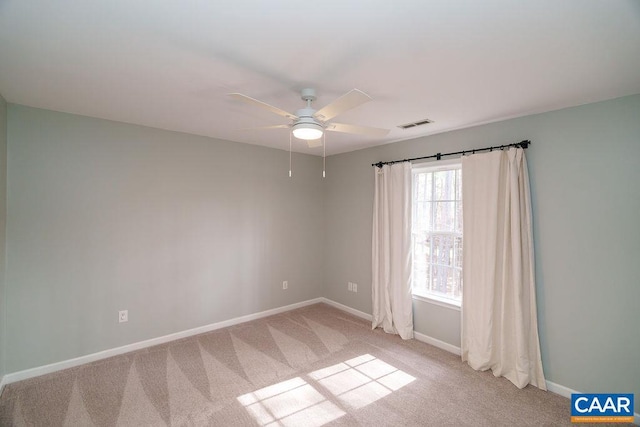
[(181, 230), (3, 218), (584, 175)]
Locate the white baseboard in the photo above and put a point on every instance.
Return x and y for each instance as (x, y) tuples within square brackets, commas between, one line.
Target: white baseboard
[(560, 389), (417, 335), (70, 363), (346, 308), (437, 343)]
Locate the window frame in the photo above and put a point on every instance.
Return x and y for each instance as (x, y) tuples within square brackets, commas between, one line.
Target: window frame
[(424, 167)]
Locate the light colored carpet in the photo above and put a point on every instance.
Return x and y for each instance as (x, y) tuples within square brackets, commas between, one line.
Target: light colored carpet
[(308, 367)]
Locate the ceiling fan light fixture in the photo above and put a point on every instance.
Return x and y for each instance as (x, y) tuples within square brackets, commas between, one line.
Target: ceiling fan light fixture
[(307, 130)]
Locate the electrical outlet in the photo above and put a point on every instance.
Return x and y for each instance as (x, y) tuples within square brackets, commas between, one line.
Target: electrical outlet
[(355, 287), (350, 287), (285, 285), (123, 316)]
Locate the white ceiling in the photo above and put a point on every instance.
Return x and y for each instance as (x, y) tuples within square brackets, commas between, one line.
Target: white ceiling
[(169, 64)]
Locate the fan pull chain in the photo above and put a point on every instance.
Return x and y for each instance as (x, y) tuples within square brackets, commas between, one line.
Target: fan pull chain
[(324, 154), (290, 154)]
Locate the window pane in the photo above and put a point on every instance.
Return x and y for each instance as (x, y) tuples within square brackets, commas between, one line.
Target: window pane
[(422, 216), (458, 222), (443, 249), (422, 186), (444, 216), (426, 192), (443, 281), (458, 251), (437, 233), (457, 290), (445, 185), (421, 254)]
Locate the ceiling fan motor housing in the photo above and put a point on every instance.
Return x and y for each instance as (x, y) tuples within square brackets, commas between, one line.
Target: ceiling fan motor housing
[(306, 113), (308, 94), (309, 120)]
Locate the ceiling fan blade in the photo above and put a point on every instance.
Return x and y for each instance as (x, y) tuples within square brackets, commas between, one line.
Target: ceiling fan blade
[(346, 102), (312, 143), (270, 127), (263, 105), (362, 130)]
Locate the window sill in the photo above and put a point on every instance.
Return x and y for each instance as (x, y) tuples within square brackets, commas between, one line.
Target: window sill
[(437, 301)]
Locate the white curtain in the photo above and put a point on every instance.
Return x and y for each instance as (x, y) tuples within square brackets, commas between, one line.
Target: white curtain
[(391, 252), (499, 320)]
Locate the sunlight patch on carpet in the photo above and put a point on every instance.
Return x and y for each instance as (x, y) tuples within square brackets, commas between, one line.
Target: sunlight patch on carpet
[(356, 383), (290, 403), (362, 380)]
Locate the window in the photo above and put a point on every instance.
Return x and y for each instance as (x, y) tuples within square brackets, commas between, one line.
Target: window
[(436, 231)]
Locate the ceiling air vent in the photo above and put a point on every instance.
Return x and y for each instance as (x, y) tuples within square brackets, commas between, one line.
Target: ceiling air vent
[(414, 124)]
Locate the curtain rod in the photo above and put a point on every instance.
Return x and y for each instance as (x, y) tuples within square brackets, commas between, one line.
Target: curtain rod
[(522, 144)]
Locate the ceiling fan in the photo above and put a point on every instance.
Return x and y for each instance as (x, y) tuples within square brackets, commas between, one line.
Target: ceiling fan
[(309, 124)]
